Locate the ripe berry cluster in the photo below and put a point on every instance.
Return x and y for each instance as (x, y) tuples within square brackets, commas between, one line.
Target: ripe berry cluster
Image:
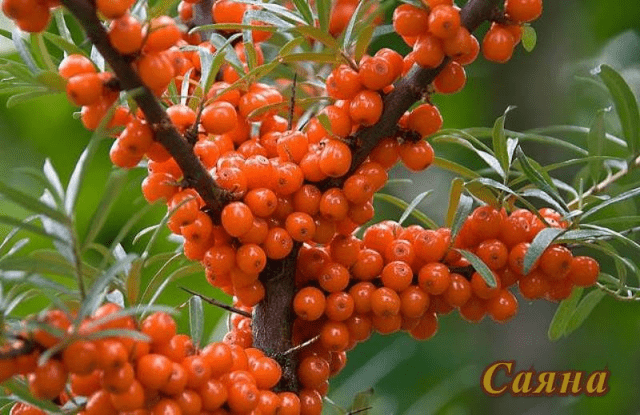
[(166, 375)]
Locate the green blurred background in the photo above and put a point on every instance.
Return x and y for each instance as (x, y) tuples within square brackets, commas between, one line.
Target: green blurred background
[(442, 375)]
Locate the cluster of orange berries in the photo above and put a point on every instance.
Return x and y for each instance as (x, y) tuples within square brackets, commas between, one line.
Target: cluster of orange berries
[(399, 278), (435, 32), (166, 375), (29, 15)]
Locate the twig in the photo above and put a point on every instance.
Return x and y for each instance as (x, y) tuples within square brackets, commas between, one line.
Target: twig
[(300, 346), (357, 411), (165, 133), (292, 106), (217, 303), (603, 185)]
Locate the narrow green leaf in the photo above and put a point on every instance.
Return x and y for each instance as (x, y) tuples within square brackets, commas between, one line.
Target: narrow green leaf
[(598, 207), (463, 209), (162, 7), (349, 31), (79, 172), (414, 203), (626, 105), (223, 45), (317, 34), (563, 315), (21, 393), (529, 38), (305, 11), (454, 167), (543, 239), (538, 177), (38, 41), (205, 59), (323, 8), (421, 217), (584, 309), (363, 41), (16, 223), (595, 144), (96, 293), (63, 29), (500, 140), (52, 80), (113, 188), (37, 92), (196, 319), (23, 51), (131, 334), (52, 177), (457, 186), (481, 268), (288, 47), (98, 59), (362, 400), (32, 204), (309, 57), (464, 142)]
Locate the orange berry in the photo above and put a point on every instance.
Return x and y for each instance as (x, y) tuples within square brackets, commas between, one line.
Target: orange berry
[(125, 34), (366, 108), (498, 45), (444, 21), (409, 20), (523, 10), (112, 9), (451, 79)]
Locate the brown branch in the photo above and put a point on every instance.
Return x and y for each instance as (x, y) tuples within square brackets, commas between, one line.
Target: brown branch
[(273, 317), (407, 91), (165, 133)]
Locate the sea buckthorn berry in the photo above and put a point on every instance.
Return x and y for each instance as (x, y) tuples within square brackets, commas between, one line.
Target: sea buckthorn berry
[(251, 259), (516, 258), (409, 20), (400, 250), (48, 380), (486, 222), (288, 178), (344, 249), (259, 172), (343, 83), (162, 33), (267, 372), (434, 278), (556, 262), (385, 302), (378, 237), (80, 357), (376, 73), (261, 201), (199, 231), (278, 243), (333, 277), (153, 371), (385, 154), (533, 285), (313, 371), (503, 306), (368, 265), (219, 117), (236, 218), (293, 146), (481, 289), (493, 253), (498, 45), (428, 51), (358, 189), (426, 328), (338, 120), (451, 79), (112, 9), (307, 199), (523, 10), (130, 400), (413, 302), (334, 205), (179, 347), (339, 306), (85, 385), (416, 156), (425, 120), (444, 21), (559, 289), (472, 54), (159, 186), (335, 158), (366, 108), (515, 229), (459, 291), (242, 396), (125, 34), (310, 402), (474, 310), (289, 404), (309, 303), (430, 245), (397, 275), (460, 45), (156, 71), (394, 58), (375, 173), (584, 271), (159, 326), (361, 294), (334, 336), (84, 89), (74, 65), (111, 354), (301, 226), (198, 371), (118, 380)]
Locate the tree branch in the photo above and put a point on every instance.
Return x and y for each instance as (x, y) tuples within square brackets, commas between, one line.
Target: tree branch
[(165, 133), (407, 91)]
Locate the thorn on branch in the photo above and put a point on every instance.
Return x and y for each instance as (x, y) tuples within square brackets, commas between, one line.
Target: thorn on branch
[(299, 347), (217, 303)]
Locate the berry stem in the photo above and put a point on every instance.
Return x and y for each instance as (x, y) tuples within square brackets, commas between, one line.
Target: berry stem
[(165, 133)]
